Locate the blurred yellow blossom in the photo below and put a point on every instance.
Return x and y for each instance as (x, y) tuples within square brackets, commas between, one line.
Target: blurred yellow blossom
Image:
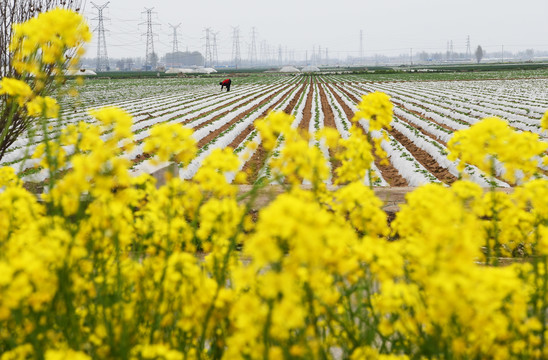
[(43, 106), (493, 139), (377, 109), (171, 142), (16, 88)]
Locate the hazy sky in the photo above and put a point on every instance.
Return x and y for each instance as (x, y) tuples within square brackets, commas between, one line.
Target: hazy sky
[(390, 27)]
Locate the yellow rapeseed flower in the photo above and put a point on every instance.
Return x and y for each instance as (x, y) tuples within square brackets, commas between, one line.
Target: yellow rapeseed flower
[(544, 121), (171, 142), (43, 106), (492, 138), (377, 109), (355, 156), (17, 89), (272, 126)]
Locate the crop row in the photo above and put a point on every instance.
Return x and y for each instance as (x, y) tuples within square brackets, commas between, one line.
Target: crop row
[(426, 114)]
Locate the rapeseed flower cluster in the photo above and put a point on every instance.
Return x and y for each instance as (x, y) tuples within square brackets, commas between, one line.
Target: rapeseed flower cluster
[(104, 265), (41, 49), (45, 40), (377, 109), (492, 140), (544, 121)]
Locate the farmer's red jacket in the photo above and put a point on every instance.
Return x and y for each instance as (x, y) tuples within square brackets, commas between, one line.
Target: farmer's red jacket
[(225, 82)]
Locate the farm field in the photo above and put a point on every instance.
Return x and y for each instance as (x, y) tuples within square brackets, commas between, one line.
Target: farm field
[(112, 262), (426, 114)]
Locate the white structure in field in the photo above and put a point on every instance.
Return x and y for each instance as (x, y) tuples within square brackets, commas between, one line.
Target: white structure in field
[(289, 69), (198, 70), (80, 72), (310, 68), (178, 71)]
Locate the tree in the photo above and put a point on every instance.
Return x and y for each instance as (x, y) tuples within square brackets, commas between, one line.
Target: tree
[(153, 60), (479, 54), (529, 54), (12, 125)]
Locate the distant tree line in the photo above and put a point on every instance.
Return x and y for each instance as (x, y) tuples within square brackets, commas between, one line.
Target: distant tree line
[(478, 55)]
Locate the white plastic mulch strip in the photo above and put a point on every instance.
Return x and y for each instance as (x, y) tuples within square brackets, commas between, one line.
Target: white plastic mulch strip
[(40, 176), (226, 138), (298, 112), (343, 126)]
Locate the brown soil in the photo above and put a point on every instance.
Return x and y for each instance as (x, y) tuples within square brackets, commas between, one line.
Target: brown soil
[(206, 139), (402, 105), (388, 172), (171, 106), (307, 112), (425, 159), (329, 121), (241, 136), (422, 130), (425, 132), (141, 157), (186, 121), (420, 155), (256, 162)]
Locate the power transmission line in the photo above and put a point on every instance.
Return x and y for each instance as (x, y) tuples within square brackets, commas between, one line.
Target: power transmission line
[(252, 48), (208, 51), (361, 46), (236, 47), (150, 56), (175, 42), (102, 57), (215, 54)]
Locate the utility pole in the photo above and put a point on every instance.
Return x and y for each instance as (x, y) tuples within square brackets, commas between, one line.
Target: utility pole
[(280, 54), (208, 52), (502, 53), (215, 54), (253, 48), (236, 46), (361, 46), (262, 52), (150, 56), (175, 43), (411, 56), (468, 49), (319, 55), (102, 57)]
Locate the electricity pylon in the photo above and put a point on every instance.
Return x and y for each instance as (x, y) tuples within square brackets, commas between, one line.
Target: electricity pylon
[(102, 57), (150, 56)]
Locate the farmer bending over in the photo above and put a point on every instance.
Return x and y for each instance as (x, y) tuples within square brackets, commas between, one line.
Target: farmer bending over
[(225, 82)]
